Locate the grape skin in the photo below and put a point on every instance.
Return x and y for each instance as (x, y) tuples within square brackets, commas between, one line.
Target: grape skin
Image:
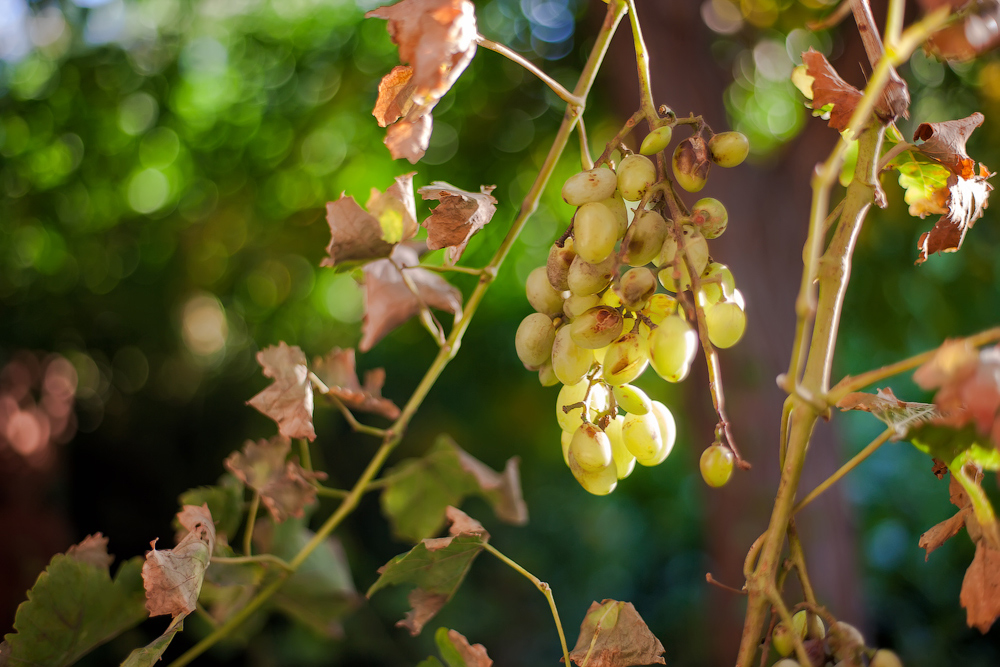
[(717, 467), (589, 186), (569, 361), (591, 448), (534, 338), (635, 174)]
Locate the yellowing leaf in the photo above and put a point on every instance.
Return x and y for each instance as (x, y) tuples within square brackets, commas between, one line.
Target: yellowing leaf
[(614, 635)]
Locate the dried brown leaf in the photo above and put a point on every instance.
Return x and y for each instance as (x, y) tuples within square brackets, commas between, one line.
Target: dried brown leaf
[(337, 371), (981, 588), (900, 415), (942, 532), (423, 607), (395, 95), (173, 577), (474, 655), (503, 489), (974, 35), (945, 143), (289, 399), (357, 236), (390, 303), (94, 550), (967, 199), (968, 384), (459, 215), (614, 635), (829, 88), (284, 487)]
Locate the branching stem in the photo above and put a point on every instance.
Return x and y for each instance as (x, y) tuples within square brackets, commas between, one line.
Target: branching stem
[(846, 468), (557, 88)]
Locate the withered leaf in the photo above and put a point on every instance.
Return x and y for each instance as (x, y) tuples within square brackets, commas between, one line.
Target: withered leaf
[(459, 215), (395, 95), (968, 384), (436, 567), (897, 414), (285, 487), (173, 577), (963, 40), (337, 371), (981, 588), (614, 635), (942, 532), (967, 198), (458, 652), (389, 302), (829, 88), (94, 550), (945, 143), (358, 236), (289, 399)]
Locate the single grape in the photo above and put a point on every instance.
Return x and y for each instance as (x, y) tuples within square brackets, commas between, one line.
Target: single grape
[(624, 461), (672, 347), (595, 232), (642, 438), (659, 306), (644, 238), (617, 207), (598, 483), (631, 399), (729, 149), (625, 359), (541, 295), (533, 340), (570, 362), (844, 640), (816, 629), (586, 278), (575, 305), (717, 467), (635, 174), (725, 322), (656, 141), (591, 448), (668, 430), (710, 216), (565, 439), (675, 276), (636, 287), (557, 266), (885, 658), (598, 401), (782, 639), (547, 376), (691, 164), (717, 282), (596, 328), (589, 186)]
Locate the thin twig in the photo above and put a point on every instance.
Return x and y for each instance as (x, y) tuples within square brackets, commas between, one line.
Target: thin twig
[(251, 519), (427, 318), (266, 559), (612, 145), (344, 410), (468, 270), (585, 160), (516, 57), (715, 582), (846, 468), (786, 618)]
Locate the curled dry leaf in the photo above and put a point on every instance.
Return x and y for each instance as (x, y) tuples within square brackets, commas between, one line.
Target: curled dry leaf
[(389, 302), (338, 373), (967, 198), (437, 39), (459, 215), (284, 487), (968, 384), (94, 550), (945, 143), (289, 399), (358, 236), (897, 414), (829, 88), (614, 635), (173, 577), (981, 588)]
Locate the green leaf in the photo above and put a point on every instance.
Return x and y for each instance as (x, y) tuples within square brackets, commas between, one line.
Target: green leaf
[(457, 652), (421, 490), (225, 502), (448, 649), (436, 567), (74, 607), (925, 184), (949, 444), (151, 653), (430, 661)]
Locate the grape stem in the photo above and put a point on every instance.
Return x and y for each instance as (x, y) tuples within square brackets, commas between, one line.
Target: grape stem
[(267, 559), (514, 56), (846, 468), (616, 141), (427, 318), (251, 519), (348, 415), (581, 130), (715, 582)]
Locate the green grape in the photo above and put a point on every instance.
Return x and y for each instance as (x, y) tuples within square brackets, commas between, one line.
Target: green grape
[(656, 141), (596, 328), (565, 439), (595, 232), (625, 359), (586, 278), (691, 164), (557, 266), (716, 283), (672, 348), (659, 306), (668, 430), (729, 149), (589, 186), (844, 640), (635, 174), (668, 251), (644, 238), (642, 438), (547, 376), (533, 340), (599, 483), (885, 658), (617, 207), (570, 362), (541, 295), (816, 629), (624, 461), (598, 401), (591, 448), (631, 399), (697, 252), (725, 322), (782, 639), (636, 287), (710, 216), (717, 467), (575, 305)]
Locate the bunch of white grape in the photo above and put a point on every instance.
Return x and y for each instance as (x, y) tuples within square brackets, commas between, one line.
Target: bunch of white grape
[(600, 319)]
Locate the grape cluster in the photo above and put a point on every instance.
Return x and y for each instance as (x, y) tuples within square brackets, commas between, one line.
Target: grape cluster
[(601, 317), (841, 646)]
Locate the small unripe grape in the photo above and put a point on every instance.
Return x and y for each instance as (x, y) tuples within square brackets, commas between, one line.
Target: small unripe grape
[(672, 347), (691, 164), (636, 287), (641, 435), (575, 305), (624, 461), (716, 469), (844, 640), (644, 238), (725, 322), (617, 207), (547, 376), (533, 340), (631, 399), (885, 658), (591, 448), (541, 295), (586, 278), (782, 639), (596, 328), (716, 283), (570, 362), (557, 266), (635, 174), (656, 141), (595, 232), (598, 483), (710, 216), (625, 359), (589, 186), (816, 629), (668, 431), (598, 401), (729, 149), (659, 306)]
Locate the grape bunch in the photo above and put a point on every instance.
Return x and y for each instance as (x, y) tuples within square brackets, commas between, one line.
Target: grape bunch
[(616, 295), (841, 646)]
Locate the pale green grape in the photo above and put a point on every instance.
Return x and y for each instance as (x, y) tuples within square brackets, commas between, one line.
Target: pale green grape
[(642, 438), (656, 141), (690, 164), (591, 448), (541, 295), (816, 629), (632, 399), (782, 638), (547, 376), (565, 439), (595, 232), (586, 278), (575, 305), (589, 186), (533, 340), (717, 467), (716, 283), (668, 251), (672, 348), (675, 276), (729, 149), (557, 265), (636, 287), (570, 362), (644, 238), (599, 483), (786, 662), (659, 306), (598, 401), (885, 658), (635, 174), (725, 322), (625, 359), (617, 207), (599, 355), (668, 430), (710, 216), (596, 328), (624, 461)]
